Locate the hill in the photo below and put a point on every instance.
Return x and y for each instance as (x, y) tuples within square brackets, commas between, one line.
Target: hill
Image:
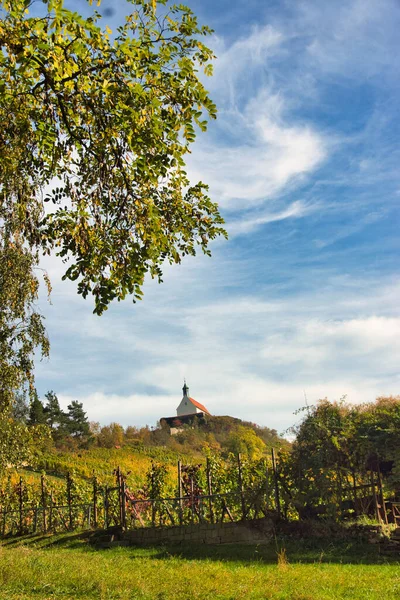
[(135, 449)]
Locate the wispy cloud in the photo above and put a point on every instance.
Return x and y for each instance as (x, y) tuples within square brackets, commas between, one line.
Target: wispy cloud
[(260, 151), (245, 225)]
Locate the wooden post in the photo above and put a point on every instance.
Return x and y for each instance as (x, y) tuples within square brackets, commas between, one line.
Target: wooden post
[(153, 508), (94, 502), (180, 506), (201, 509), (21, 504), (355, 492), (118, 482), (69, 500), (277, 502), (35, 516), (191, 499), (266, 487), (106, 523), (240, 481), (209, 489), (377, 511), (339, 490), (382, 499), (3, 527), (43, 495), (119, 486), (51, 511), (123, 499)]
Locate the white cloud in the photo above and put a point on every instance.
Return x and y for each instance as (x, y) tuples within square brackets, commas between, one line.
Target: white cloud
[(268, 155), (337, 347), (133, 409), (237, 63), (242, 226)]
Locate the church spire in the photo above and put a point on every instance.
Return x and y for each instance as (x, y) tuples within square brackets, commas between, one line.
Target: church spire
[(185, 389)]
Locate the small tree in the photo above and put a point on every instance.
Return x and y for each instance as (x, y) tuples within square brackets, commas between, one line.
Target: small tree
[(21, 326), (53, 413), (111, 435), (77, 421), (245, 441), (36, 412)]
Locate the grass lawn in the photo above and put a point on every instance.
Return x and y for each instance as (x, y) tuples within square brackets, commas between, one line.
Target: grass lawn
[(67, 567)]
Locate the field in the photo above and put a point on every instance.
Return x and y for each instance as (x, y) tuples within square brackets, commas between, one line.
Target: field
[(66, 567)]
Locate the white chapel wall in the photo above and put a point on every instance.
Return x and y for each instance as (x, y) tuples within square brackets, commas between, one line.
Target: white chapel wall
[(186, 408)]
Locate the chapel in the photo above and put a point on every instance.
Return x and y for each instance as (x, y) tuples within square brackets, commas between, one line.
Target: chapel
[(187, 412), (188, 405)]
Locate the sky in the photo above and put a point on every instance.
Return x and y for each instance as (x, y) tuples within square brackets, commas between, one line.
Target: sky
[(302, 301)]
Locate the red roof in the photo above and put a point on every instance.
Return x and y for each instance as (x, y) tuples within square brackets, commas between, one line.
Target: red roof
[(200, 406)]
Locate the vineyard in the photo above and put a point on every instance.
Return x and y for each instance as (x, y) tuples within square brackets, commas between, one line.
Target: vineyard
[(144, 491), (99, 462), (215, 490)]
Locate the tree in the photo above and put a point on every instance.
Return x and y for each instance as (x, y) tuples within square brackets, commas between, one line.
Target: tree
[(112, 119), (36, 412), (131, 432), (337, 446), (21, 334), (53, 413), (111, 435), (23, 433), (244, 440), (77, 421)]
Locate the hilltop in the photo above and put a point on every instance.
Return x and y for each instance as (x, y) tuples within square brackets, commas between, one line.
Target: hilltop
[(204, 432), (134, 449)]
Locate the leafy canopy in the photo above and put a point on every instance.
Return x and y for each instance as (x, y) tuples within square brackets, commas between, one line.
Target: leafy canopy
[(97, 125)]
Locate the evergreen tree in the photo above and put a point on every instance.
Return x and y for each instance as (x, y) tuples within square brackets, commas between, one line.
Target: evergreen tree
[(77, 423), (36, 412), (54, 415)]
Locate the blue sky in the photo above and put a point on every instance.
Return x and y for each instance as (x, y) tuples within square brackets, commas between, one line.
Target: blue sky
[(303, 298)]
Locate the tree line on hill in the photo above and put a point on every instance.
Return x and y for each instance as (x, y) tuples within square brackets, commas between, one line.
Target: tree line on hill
[(215, 433), (43, 423), (73, 422)]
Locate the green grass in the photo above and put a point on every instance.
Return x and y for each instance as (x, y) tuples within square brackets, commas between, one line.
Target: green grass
[(66, 567)]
